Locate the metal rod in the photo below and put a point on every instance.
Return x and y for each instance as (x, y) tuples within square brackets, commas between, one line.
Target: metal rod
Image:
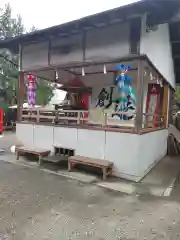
[(84, 45), (100, 72), (49, 52)]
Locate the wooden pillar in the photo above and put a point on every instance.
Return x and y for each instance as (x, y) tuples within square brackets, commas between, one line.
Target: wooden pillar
[(20, 97), (139, 96), (165, 104), (171, 102)]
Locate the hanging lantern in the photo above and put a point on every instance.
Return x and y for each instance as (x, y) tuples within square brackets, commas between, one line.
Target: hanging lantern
[(157, 80), (153, 88), (151, 76), (2, 71), (105, 70), (83, 72), (154, 78), (57, 75), (161, 83)]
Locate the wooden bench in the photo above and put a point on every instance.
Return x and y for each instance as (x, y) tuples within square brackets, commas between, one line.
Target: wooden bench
[(105, 165), (36, 151)]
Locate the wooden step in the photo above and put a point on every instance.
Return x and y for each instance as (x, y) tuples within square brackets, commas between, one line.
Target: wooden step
[(55, 158)]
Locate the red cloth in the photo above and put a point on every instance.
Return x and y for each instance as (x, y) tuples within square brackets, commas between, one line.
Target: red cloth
[(85, 101), (1, 120)]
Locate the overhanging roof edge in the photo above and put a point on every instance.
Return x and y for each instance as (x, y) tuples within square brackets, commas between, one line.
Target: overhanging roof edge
[(141, 6)]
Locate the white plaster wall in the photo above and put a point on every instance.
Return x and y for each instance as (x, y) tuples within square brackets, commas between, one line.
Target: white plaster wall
[(43, 137), (134, 155), (25, 134), (65, 137), (157, 46), (122, 150), (90, 143), (152, 148), (168, 107)]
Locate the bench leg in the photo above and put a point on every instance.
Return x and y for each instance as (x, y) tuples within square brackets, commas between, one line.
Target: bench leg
[(40, 160), (17, 155), (110, 171), (69, 166), (104, 170)]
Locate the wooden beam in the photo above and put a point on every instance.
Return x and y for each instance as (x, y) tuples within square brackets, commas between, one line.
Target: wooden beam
[(20, 97), (139, 96)]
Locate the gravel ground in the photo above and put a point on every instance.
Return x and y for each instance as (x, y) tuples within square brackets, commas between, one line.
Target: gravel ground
[(35, 205), (7, 141)]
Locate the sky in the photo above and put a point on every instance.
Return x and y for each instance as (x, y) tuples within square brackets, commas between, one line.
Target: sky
[(43, 14)]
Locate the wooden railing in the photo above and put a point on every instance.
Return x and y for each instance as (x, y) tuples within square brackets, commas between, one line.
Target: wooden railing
[(157, 120), (69, 117), (55, 116)]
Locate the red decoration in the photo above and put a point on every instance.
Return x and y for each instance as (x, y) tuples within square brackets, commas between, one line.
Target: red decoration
[(31, 80), (74, 84), (153, 103), (1, 120)]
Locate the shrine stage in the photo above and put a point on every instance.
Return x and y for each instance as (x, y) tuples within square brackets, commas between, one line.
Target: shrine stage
[(132, 154)]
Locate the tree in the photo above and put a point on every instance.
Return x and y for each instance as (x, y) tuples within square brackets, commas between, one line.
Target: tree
[(44, 92), (12, 27), (177, 93)]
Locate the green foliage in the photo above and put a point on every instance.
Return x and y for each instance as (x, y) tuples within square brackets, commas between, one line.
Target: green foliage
[(9, 26), (12, 27), (177, 93), (44, 93)]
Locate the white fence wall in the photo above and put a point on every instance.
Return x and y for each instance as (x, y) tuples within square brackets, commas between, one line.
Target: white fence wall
[(133, 155)]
